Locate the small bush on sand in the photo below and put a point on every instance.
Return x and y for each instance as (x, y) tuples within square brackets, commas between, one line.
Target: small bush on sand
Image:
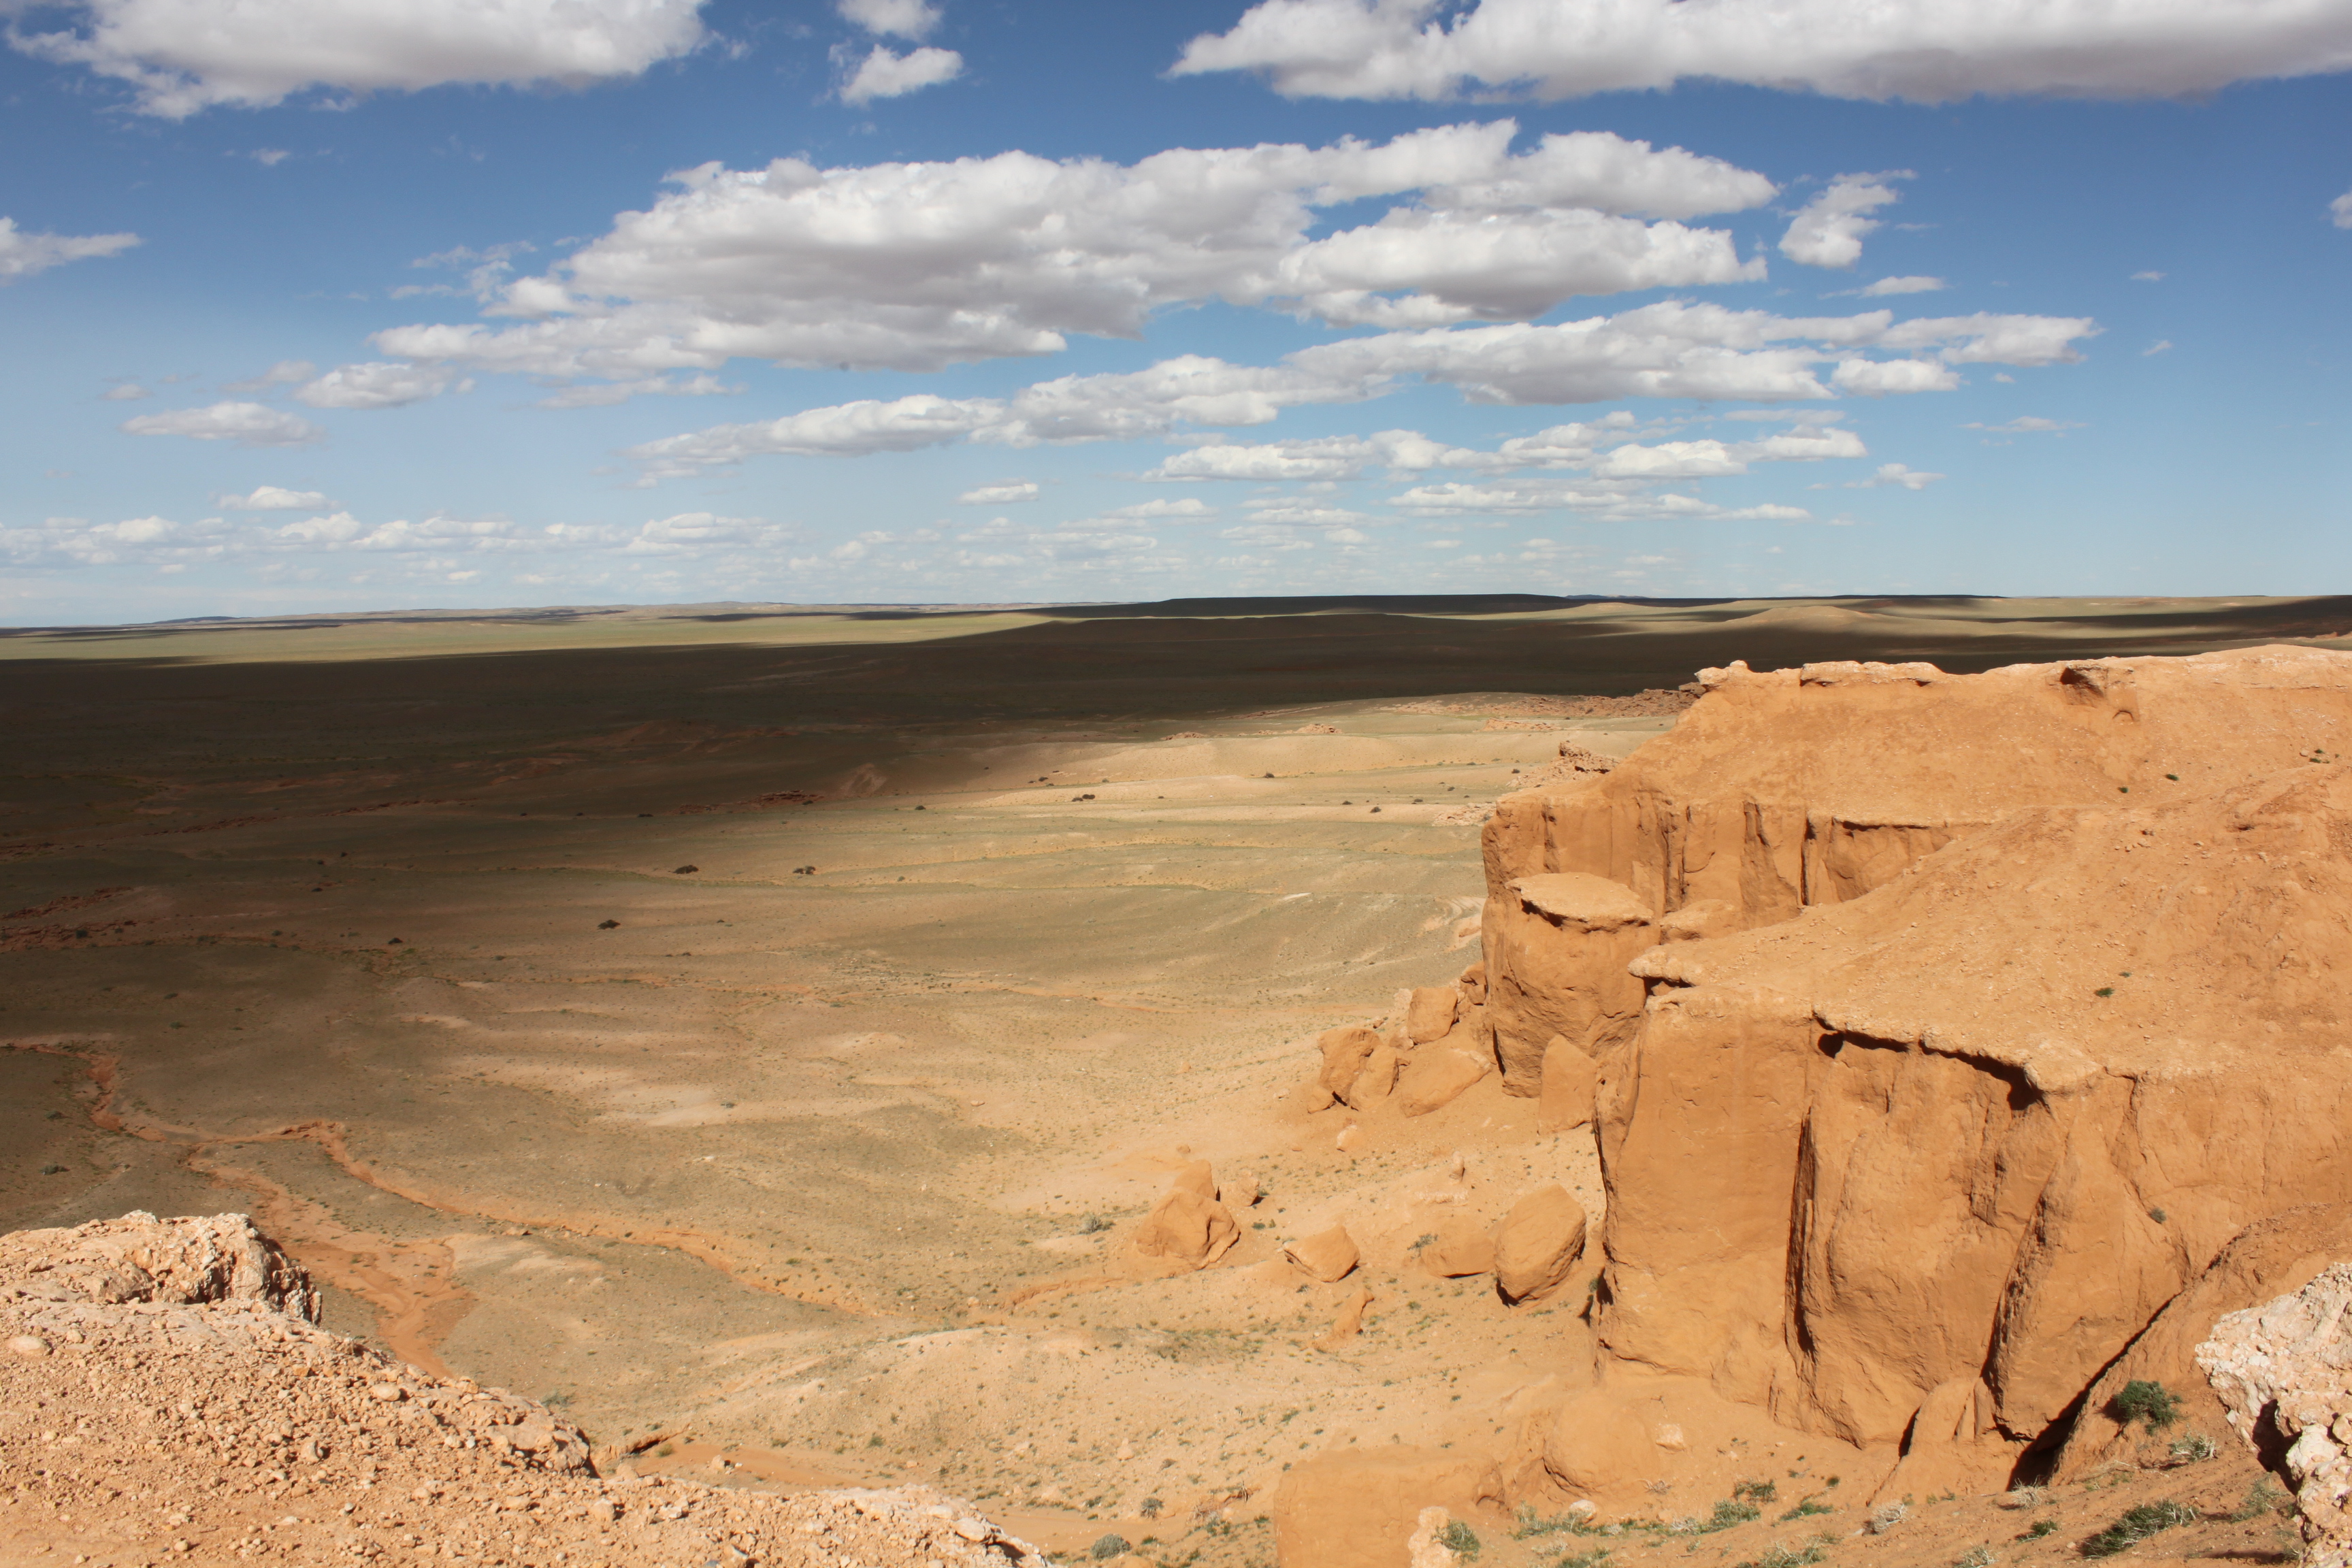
[(2145, 1400), (2136, 1525), (1459, 1539)]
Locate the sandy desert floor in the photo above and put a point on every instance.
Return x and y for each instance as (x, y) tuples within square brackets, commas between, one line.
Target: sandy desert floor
[(755, 1031)]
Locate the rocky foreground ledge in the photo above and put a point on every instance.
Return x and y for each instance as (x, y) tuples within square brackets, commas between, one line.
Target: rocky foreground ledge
[(166, 1396)]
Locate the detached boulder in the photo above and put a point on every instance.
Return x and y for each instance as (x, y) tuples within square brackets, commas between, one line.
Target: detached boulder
[(1430, 1015), (1376, 1078), (1328, 1258), (1473, 984), (1189, 1225), (1462, 1248), (1597, 1445), (1538, 1244), (1572, 1082), (1344, 1051), (1434, 1079)]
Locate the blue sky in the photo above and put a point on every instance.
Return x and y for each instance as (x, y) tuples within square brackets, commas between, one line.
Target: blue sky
[(317, 304)]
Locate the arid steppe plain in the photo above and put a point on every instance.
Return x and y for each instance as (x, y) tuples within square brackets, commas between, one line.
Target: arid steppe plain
[(761, 1026)]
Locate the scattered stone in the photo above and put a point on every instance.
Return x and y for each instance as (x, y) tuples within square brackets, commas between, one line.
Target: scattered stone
[(1430, 1015), (29, 1345), (1345, 1051), (1436, 1078), (1462, 1248), (1538, 1244), (1187, 1227), (1328, 1258), (246, 1393)]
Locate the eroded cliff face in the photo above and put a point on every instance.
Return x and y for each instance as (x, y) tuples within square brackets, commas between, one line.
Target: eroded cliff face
[(1800, 787), (1983, 1013)]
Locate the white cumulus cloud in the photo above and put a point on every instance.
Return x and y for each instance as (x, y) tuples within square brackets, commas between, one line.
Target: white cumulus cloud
[(1004, 494), (376, 384), (1600, 502), (1669, 350), (1887, 286), (692, 531), (22, 254), (1827, 231), (884, 73), (1895, 474), (246, 424), (917, 266), (69, 542), (184, 56), (910, 19), (1878, 378), (1874, 49), (2339, 212), (272, 498)]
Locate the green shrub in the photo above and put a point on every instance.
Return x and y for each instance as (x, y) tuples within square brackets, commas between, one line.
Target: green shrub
[(2136, 1525), (1531, 1524), (2041, 1528), (1109, 1546), (1806, 1508), (2144, 1399), (1459, 1539), (1756, 1491), (1728, 1513), (1778, 1556), (1974, 1557)]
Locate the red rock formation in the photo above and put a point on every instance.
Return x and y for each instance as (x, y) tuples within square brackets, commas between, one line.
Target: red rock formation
[(1917, 1166), (1943, 1143)]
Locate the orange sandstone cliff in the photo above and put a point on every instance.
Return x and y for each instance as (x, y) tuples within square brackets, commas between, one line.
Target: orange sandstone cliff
[(1944, 1028)]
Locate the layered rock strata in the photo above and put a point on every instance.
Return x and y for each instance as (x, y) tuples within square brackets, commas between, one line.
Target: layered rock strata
[(1982, 1013)]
